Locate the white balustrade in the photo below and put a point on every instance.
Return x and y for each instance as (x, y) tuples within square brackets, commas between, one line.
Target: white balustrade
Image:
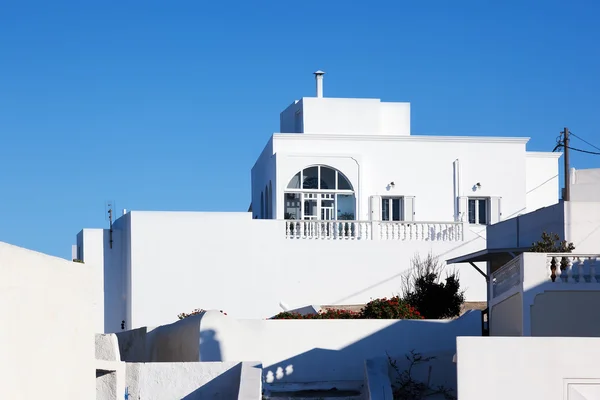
[(422, 231), (330, 230), (363, 230), (573, 268)]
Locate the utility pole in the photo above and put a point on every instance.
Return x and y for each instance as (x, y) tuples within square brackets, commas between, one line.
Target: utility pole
[(567, 196)]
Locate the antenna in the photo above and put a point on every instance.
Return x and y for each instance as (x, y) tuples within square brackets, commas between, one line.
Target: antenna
[(109, 207)]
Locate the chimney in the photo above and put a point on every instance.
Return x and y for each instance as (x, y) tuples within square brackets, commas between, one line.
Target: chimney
[(319, 78)]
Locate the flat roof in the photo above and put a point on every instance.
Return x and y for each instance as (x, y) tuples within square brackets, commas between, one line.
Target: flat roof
[(486, 255)]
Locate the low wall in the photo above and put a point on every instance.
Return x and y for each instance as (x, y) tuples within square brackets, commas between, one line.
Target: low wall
[(549, 368), (299, 351), (193, 380)]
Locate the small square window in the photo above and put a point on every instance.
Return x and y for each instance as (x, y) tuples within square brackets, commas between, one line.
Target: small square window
[(478, 211)]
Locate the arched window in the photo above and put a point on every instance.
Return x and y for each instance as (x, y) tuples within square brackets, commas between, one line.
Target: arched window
[(319, 192)]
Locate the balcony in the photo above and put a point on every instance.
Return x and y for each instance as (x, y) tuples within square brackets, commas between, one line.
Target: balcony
[(529, 292), (374, 230)]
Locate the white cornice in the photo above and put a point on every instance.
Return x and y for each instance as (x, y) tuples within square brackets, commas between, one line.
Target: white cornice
[(393, 138), (542, 154)]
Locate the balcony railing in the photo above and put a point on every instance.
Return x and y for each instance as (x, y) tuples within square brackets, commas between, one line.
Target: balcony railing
[(374, 230), (573, 268), (506, 277)]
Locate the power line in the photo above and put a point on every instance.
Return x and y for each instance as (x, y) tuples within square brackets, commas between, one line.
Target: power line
[(584, 141), (574, 149)]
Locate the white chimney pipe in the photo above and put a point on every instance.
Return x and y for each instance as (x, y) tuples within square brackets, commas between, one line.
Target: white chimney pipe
[(319, 78)]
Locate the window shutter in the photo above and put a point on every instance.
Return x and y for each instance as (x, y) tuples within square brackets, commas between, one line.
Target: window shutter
[(409, 208), (463, 209), (375, 208), (495, 210)]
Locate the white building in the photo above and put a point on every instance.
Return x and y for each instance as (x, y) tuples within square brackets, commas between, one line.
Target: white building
[(335, 159)]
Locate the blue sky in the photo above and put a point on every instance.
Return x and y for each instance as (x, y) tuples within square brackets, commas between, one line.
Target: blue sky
[(165, 105)]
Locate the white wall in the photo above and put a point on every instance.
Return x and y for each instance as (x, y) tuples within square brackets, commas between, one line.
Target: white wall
[(499, 368), (354, 116), (585, 184), (47, 326), (262, 175), (524, 230), (114, 261), (420, 166), (300, 351), (574, 221), (190, 381), (542, 184), (226, 261), (582, 226)]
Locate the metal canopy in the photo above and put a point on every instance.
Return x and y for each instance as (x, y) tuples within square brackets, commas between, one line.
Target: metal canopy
[(487, 255)]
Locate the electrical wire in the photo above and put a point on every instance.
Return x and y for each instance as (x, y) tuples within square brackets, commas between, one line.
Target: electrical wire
[(584, 141), (574, 149)]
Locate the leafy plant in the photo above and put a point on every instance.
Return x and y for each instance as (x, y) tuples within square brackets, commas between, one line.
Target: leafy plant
[(406, 387), (433, 297), (393, 308), (551, 243)]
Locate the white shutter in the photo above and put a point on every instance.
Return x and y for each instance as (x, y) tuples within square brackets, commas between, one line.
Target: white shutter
[(495, 210), (409, 208), (375, 208), (463, 209)]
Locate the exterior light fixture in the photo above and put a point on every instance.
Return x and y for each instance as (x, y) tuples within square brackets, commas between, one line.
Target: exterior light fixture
[(392, 184)]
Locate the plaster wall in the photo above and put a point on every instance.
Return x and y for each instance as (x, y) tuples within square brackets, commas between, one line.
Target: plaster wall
[(526, 229), (47, 320), (548, 368), (190, 381), (541, 179), (181, 261), (420, 166), (347, 116), (263, 175), (585, 184), (574, 221), (582, 225), (300, 351)]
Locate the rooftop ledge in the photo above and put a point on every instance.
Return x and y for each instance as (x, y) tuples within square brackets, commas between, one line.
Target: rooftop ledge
[(400, 138)]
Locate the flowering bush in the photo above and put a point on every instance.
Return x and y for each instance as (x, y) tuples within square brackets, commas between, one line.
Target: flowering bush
[(195, 312), (393, 308), (328, 314)]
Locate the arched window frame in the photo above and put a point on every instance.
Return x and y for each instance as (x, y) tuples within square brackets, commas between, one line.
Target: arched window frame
[(318, 193)]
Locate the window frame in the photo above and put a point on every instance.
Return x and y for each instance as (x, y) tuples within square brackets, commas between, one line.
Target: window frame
[(390, 210), (478, 200)]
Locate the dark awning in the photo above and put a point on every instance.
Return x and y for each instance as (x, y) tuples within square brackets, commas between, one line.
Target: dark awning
[(503, 255), (488, 255)]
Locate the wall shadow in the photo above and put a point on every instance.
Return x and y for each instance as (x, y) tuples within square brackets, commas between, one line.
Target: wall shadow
[(211, 349), (347, 364), (225, 386)]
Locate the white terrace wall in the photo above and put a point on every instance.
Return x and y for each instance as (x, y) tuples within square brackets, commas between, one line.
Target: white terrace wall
[(46, 326), (180, 261), (577, 222), (524, 301), (550, 368), (299, 351)]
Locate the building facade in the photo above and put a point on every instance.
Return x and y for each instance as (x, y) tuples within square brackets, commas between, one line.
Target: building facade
[(342, 200)]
